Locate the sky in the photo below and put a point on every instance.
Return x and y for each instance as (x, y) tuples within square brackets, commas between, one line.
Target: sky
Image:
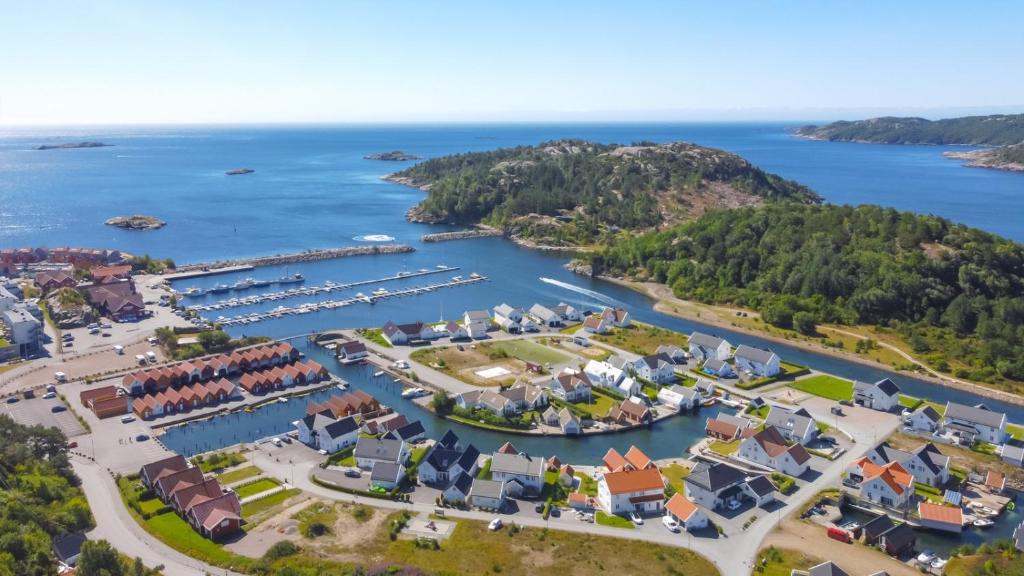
[(185, 61)]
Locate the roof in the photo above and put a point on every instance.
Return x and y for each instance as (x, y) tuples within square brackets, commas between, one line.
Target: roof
[(826, 569), (449, 440), (386, 471), (155, 470), (681, 507), (887, 453), (477, 315), (761, 485), (1013, 453), (939, 513), (341, 427), (379, 449), (410, 430), (974, 414), (758, 355), (469, 457), (799, 422), (929, 412), (613, 460), (878, 525), (201, 492), (181, 479), (487, 488), (352, 347), (774, 444), (544, 313), (68, 546), (521, 464), (508, 448), (720, 427), (463, 483), (714, 477), (931, 457), (211, 512), (705, 340), (899, 536), (628, 481), (654, 361), (637, 458), (995, 480), (504, 310), (715, 364), (892, 474)]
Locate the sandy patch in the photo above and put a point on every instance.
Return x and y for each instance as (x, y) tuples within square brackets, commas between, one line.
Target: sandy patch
[(495, 372)]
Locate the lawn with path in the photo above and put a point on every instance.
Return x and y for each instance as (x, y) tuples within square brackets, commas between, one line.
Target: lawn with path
[(238, 475), (642, 339), (825, 386), (254, 488)]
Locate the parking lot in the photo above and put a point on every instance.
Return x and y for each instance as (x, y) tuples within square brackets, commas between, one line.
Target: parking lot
[(30, 412)]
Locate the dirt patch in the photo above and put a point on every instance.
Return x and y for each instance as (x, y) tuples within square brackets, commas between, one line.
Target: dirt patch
[(275, 529), (533, 559), (853, 558)]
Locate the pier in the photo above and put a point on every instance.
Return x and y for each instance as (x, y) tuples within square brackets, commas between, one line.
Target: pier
[(333, 304), (326, 288), (200, 273), (307, 256), (461, 235)]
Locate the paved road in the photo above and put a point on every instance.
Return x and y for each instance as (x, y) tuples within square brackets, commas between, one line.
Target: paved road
[(116, 525)]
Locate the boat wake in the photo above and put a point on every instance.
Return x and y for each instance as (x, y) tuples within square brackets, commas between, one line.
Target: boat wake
[(580, 290), (374, 238)]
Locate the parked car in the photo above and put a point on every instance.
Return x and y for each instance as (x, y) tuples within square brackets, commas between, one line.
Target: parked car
[(60, 377), (635, 518), (495, 525), (141, 438), (12, 399), (353, 472), (127, 419), (846, 402), (57, 408), (49, 395), (67, 337), (926, 557), (539, 507), (669, 523)]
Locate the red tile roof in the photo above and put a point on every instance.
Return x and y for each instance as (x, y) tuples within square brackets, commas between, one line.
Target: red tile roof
[(681, 507), (627, 481), (940, 513)]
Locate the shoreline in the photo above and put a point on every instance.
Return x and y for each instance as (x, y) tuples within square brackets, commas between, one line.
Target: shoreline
[(662, 296)]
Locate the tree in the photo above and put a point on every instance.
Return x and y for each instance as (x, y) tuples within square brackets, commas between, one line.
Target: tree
[(98, 558), (805, 323), (213, 339), (442, 403)]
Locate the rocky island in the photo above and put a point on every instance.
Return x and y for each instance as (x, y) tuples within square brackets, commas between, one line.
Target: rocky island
[(136, 222), (393, 156), (239, 171), (1005, 158), (72, 146)]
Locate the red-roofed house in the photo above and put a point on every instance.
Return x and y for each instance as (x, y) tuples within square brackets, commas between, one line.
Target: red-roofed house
[(641, 491), (153, 471), (768, 448), (217, 517), (941, 517), (890, 485), (686, 513)]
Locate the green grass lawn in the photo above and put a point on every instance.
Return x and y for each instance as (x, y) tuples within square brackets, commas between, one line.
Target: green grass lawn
[(761, 412), (530, 352), (725, 448), (613, 521), (774, 561), (1016, 431), (783, 482), (176, 533), (484, 473), (150, 506), (218, 460), (375, 335), (825, 386), (588, 485), (675, 474), (239, 475), (417, 454), (264, 504), (909, 402), (253, 488), (641, 338), (599, 405)]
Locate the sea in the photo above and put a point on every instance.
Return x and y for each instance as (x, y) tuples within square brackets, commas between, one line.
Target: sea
[(313, 188)]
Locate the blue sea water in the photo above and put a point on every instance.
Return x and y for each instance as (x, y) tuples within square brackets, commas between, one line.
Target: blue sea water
[(313, 189)]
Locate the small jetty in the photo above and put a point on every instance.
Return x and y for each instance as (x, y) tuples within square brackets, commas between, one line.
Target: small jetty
[(307, 256), (357, 299), (461, 235), (326, 288)]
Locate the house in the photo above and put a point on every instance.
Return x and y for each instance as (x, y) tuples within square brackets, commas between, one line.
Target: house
[(150, 473), (370, 451), (768, 448), (641, 491), (889, 485), (603, 374), (68, 547), (508, 448), (569, 423), (758, 362), (338, 435), (675, 353), (397, 334), (874, 528), (995, 482), (760, 489), (657, 368), (456, 331), (618, 317), (716, 367), (898, 540), (473, 316), (567, 312), (169, 483), (217, 517), (679, 397), (926, 464), (446, 459), (53, 279), (546, 316), (941, 517), (571, 386), (824, 569), (597, 324), (459, 489), (409, 433), (523, 474), (924, 419), (513, 315), (526, 397), (795, 426), (187, 496), (489, 400), (117, 300), (1018, 537), (634, 459), (349, 352), (487, 494), (882, 395), (704, 346), (688, 515), (107, 274), (726, 427), (630, 413), (387, 475), (629, 387), (974, 423), (715, 485), (477, 330), (705, 387), (1012, 454), (550, 416)]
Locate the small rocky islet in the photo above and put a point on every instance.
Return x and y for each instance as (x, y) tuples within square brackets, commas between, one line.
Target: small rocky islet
[(136, 222), (72, 145), (392, 156), (239, 171)]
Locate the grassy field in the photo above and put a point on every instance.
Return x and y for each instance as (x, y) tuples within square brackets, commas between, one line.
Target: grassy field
[(613, 521), (218, 460), (528, 351), (725, 448), (780, 561), (598, 407), (150, 506), (374, 335), (588, 485), (761, 412), (264, 504), (511, 355), (239, 475), (254, 488), (641, 338), (1016, 431), (825, 386), (675, 474), (176, 533)]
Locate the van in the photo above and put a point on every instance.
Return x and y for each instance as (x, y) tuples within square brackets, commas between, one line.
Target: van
[(151, 356), (127, 419), (60, 377), (837, 533), (277, 442), (118, 349), (140, 358)]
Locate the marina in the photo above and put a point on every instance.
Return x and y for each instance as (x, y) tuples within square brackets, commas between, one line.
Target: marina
[(379, 294)]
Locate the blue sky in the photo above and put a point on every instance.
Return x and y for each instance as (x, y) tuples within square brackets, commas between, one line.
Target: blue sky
[(105, 62)]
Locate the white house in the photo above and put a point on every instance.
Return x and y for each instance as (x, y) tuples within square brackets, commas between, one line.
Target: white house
[(715, 485), (657, 368), (567, 312), (459, 489), (597, 324), (456, 331), (387, 475), (640, 491), (603, 374), (629, 387), (370, 451), (447, 459), (338, 435), (679, 397), (526, 397), (471, 316), (975, 423), (571, 386), (398, 334), (569, 423), (675, 353), (508, 325), (487, 399), (546, 316), (618, 317), (889, 485), (927, 464), (703, 346), (503, 310), (349, 352), (705, 387), (688, 515), (717, 367), (762, 363), (487, 494), (768, 448), (477, 329), (883, 395), (924, 419), (522, 473), (795, 426)]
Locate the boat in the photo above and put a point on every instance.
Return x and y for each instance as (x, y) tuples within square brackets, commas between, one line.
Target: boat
[(708, 402), (243, 284), (282, 400), (220, 289), (983, 523), (193, 292), (409, 393), (378, 373), (260, 283), (474, 275), (291, 279)]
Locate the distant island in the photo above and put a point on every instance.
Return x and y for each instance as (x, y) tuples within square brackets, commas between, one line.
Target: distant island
[(72, 145), (239, 171), (573, 192), (136, 222), (393, 156), (1006, 130)]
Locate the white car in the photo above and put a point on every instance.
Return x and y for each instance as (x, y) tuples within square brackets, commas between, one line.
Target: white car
[(733, 505), (926, 557), (127, 419), (669, 523), (495, 525), (939, 563), (49, 395), (636, 518)]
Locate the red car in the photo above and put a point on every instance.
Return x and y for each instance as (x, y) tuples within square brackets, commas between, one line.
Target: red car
[(839, 534), (72, 444)]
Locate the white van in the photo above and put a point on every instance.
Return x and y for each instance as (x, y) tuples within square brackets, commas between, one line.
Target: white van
[(127, 419), (60, 377), (276, 441), (140, 358), (118, 349), (151, 356)]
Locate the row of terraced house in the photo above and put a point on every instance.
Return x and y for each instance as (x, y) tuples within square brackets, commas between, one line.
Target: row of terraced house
[(211, 510)]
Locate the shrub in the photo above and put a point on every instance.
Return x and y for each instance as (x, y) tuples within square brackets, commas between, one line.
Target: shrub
[(280, 550)]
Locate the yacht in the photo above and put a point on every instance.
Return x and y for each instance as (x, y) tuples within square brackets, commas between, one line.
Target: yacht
[(243, 284), (260, 283), (474, 275), (220, 289), (291, 279), (193, 292)]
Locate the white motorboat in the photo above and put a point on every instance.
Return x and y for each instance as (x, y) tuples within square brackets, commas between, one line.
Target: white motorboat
[(983, 523)]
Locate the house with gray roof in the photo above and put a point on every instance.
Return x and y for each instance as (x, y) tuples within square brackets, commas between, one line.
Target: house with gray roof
[(1012, 454), (567, 312), (446, 459), (459, 489), (704, 346), (387, 475), (883, 395), (370, 451), (974, 423), (523, 473), (927, 463), (795, 425), (924, 419), (675, 353), (546, 316), (716, 485), (487, 494), (716, 367), (756, 361), (657, 368), (824, 569)]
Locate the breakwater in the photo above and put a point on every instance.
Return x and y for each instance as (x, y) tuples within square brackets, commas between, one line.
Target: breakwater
[(461, 235), (307, 256)]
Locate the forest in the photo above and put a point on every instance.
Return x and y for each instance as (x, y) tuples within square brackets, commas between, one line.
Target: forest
[(593, 186), (951, 291), (995, 130)]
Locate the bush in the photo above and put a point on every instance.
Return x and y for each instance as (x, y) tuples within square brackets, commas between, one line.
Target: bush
[(280, 550), (313, 529)]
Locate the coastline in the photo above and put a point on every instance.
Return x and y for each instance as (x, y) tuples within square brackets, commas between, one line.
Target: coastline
[(663, 297)]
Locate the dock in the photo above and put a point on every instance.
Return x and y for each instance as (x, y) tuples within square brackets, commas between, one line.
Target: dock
[(296, 257), (333, 304), (326, 288), (210, 272)]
